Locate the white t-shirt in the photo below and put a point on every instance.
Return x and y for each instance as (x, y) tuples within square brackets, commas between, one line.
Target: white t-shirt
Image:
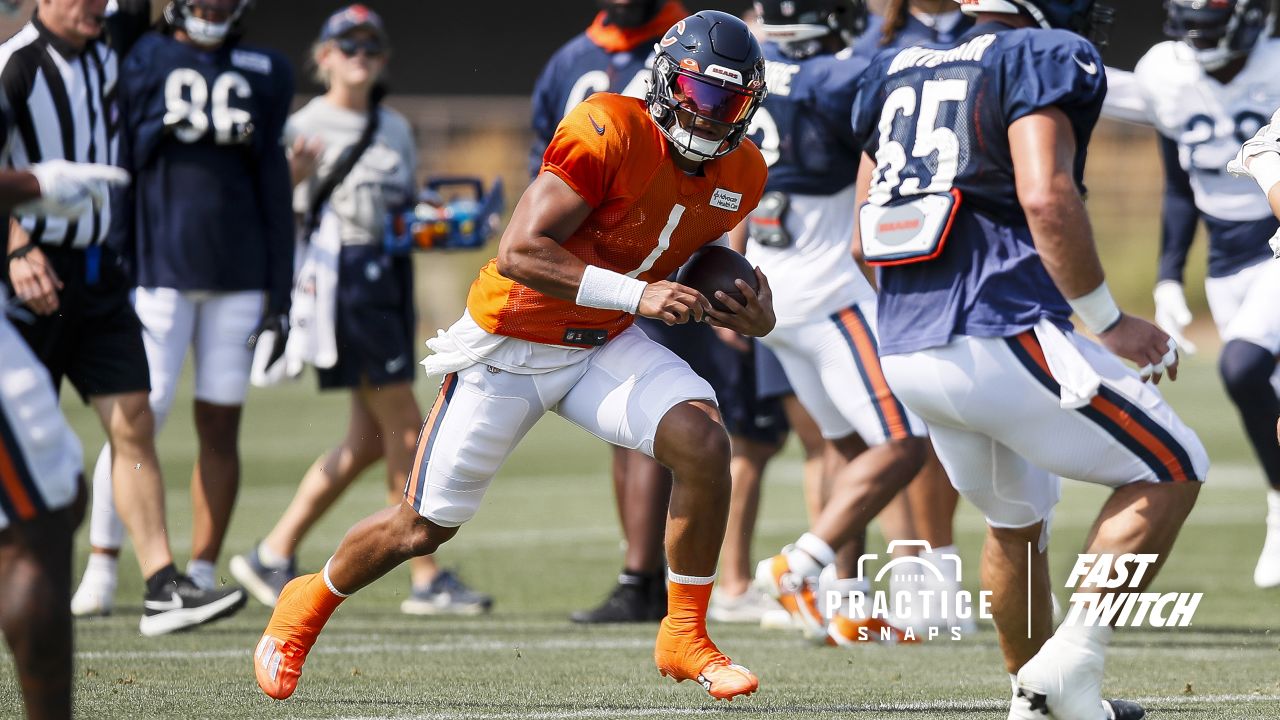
[(381, 180), (817, 275)]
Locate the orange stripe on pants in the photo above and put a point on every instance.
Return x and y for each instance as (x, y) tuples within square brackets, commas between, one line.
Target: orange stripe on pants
[(433, 418), (12, 486), (866, 350), (1123, 420)]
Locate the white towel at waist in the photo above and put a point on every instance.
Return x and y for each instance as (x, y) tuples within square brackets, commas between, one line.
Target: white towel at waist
[(1078, 380)]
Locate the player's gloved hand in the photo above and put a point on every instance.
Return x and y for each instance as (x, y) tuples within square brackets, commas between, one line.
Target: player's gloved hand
[(1144, 345), (1267, 139), (1274, 243), (755, 318), (68, 189), (672, 303), (273, 329), (1172, 314)]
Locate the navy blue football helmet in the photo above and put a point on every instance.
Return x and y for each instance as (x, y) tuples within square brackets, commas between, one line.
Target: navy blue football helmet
[(1087, 18), (797, 22), (1218, 31), (706, 84), (207, 22)]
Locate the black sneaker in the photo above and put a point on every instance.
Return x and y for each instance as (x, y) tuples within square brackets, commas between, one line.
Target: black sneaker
[(632, 601), (179, 604), (264, 583)]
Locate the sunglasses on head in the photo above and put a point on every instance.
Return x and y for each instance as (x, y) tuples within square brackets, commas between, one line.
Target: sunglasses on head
[(351, 47)]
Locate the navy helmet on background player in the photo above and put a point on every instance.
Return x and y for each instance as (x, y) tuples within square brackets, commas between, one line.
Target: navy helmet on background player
[(207, 22), (1218, 31), (798, 25), (707, 81), (1086, 18)]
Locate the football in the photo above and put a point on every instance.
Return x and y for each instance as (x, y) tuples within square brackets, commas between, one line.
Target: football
[(715, 267)]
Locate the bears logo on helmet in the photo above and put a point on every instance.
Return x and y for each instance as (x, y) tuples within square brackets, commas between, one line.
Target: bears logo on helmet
[(706, 83)]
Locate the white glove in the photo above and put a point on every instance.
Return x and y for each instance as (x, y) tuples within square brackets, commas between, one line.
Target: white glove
[(1267, 139), (1172, 314), (68, 189)]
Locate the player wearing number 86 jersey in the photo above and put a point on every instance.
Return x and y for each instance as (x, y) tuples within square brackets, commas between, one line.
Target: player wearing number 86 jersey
[(207, 230), (976, 335)]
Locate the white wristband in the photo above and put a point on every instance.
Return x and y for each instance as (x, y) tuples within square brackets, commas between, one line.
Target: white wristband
[(1265, 168), (608, 290), (1097, 309)]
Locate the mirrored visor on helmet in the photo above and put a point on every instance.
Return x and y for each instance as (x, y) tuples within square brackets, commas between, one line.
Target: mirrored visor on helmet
[(712, 101)]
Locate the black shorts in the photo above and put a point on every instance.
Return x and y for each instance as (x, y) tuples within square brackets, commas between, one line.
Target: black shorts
[(94, 339), (375, 320), (732, 375)]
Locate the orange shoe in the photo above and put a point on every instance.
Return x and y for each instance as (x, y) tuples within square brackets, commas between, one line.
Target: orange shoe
[(686, 656), (844, 631), (796, 593), (295, 624)]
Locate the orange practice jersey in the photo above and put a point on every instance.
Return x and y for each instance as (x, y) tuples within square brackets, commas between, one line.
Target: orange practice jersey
[(649, 217)]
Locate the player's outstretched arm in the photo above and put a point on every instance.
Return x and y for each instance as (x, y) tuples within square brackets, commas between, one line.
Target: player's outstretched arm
[(530, 253), (1043, 147)]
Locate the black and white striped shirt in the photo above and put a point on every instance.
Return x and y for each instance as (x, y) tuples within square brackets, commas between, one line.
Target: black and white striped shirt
[(58, 102)]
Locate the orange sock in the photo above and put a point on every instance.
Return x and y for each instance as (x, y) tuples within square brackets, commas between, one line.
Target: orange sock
[(687, 606)]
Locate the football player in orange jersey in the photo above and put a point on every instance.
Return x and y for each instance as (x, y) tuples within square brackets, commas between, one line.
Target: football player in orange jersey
[(629, 190)]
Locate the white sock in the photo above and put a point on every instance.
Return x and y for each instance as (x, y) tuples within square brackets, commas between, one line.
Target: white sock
[(1094, 637), (814, 554), (101, 568), (201, 573), (270, 558)]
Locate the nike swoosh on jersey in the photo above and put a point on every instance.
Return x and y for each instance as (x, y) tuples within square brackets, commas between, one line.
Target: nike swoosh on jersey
[(599, 128), (395, 364), (1091, 67), (161, 605)]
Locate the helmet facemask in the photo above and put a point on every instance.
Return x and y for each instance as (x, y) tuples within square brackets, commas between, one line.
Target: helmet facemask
[(702, 116), (204, 31), (1217, 34)]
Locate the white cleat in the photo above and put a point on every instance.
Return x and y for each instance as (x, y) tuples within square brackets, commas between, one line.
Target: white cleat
[(1063, 681), (95, 596), (749, 607), (1266, 574)]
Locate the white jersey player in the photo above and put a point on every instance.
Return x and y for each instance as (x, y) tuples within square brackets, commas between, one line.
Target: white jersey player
[(1206, 92)]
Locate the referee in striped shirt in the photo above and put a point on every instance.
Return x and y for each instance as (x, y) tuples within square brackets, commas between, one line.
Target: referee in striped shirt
[(58, 110)]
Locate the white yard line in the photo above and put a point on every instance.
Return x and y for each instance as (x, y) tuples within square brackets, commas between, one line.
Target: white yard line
[(912, 707)]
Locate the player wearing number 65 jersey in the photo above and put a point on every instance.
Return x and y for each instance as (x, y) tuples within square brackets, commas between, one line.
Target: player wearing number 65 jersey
[(207, 228), (629, 189), (974, 158)]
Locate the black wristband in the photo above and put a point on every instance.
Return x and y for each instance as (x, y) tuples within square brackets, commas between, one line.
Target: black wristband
[(21, 252)]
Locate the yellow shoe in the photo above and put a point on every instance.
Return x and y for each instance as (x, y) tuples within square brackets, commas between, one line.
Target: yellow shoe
[(687, 656)]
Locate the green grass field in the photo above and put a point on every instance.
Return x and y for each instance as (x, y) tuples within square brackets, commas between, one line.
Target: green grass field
[(546, 542)]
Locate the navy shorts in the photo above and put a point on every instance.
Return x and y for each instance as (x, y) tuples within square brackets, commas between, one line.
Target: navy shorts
[(771, 379), (375, 320), (732, 375)]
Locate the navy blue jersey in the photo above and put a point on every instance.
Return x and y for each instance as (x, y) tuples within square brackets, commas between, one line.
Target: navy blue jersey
[(912, 32), (602, 59), (210, 206), (936, 118), (803, 129)]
